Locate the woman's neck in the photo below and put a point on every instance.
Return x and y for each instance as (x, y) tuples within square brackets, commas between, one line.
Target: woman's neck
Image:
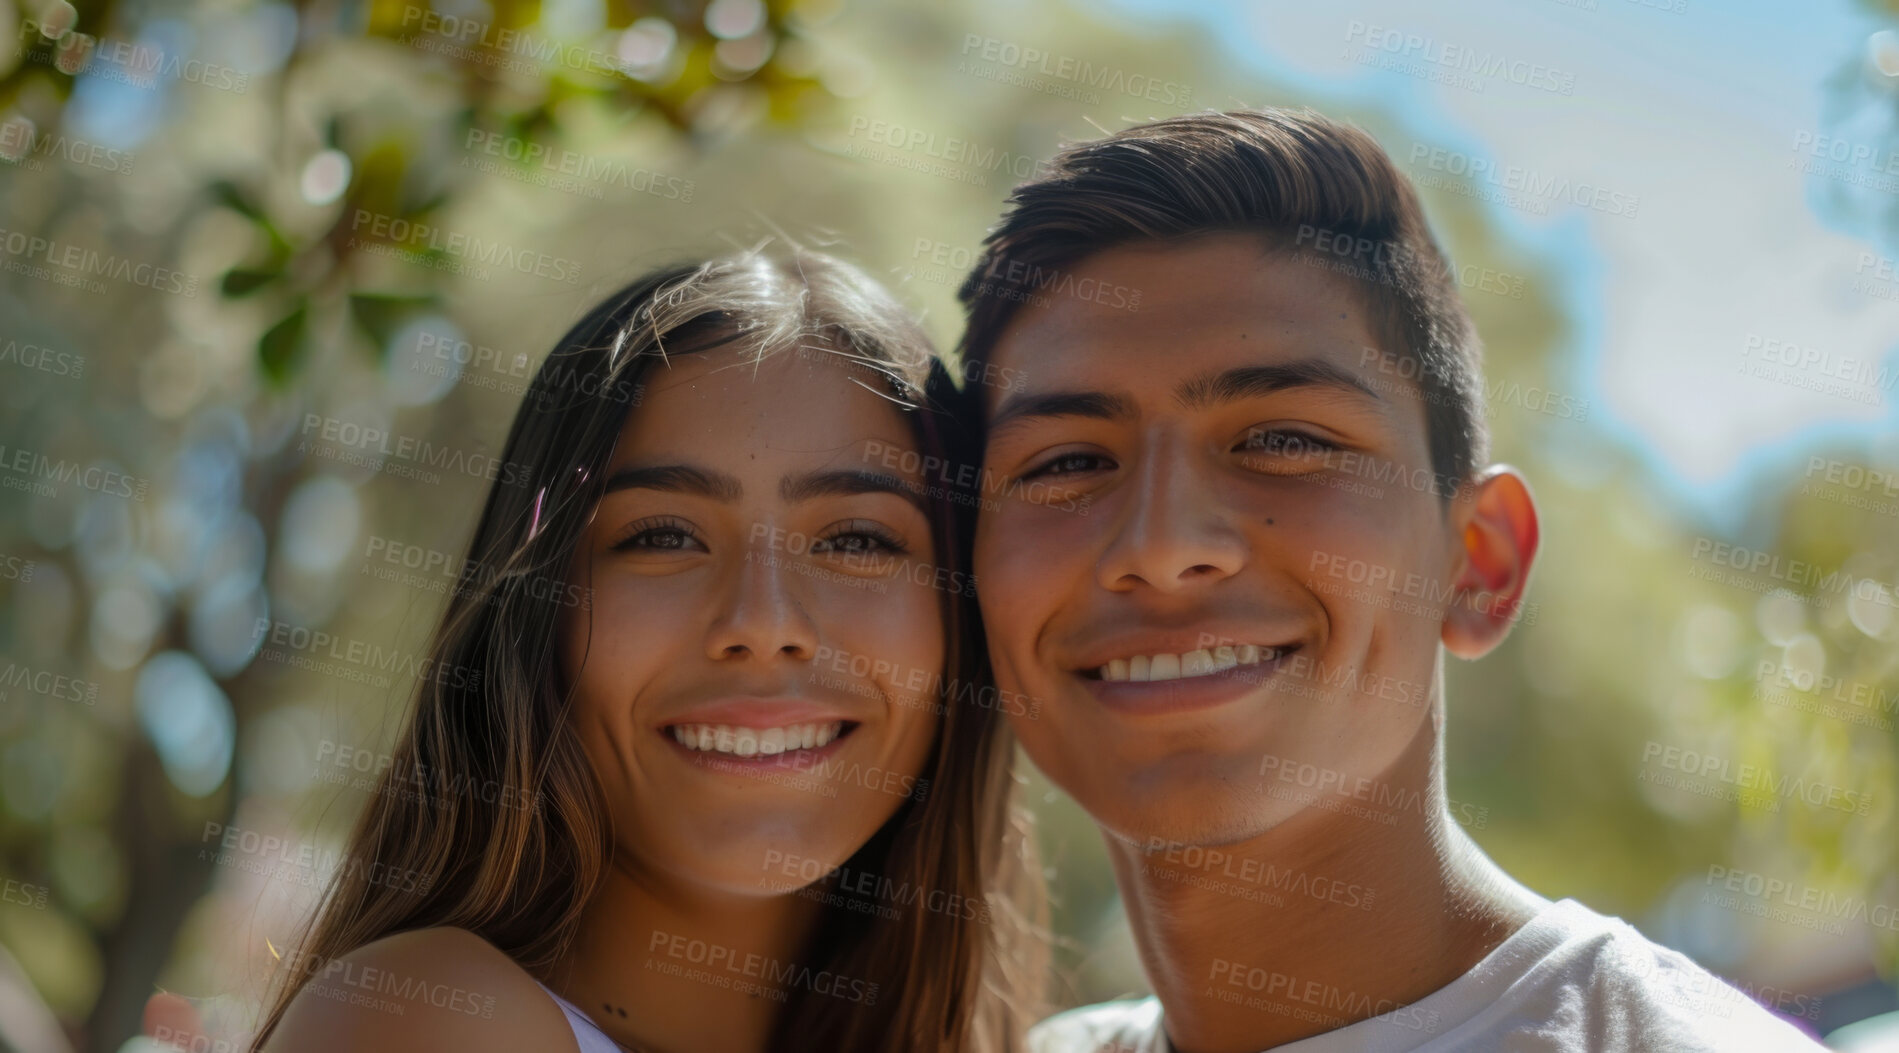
[(666, 968)]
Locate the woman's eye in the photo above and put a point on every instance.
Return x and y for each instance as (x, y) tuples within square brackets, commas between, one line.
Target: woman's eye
[(1069, 464), (859, 540), (659, 537), (852, 544)]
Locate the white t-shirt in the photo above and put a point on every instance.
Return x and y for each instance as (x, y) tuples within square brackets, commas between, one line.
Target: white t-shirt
[(1570, 981), (587, 1034)]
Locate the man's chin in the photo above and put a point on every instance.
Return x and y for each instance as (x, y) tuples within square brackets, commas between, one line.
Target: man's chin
[(1199, 811), (1150, 830)]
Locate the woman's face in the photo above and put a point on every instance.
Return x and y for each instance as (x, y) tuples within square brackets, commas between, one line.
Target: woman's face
[(756, 673)]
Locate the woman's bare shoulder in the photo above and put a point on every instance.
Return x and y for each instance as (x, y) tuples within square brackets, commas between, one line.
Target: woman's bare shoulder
[(429, 989)]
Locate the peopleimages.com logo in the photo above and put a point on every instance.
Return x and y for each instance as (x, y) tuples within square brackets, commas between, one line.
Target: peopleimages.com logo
[(22, 143), (1073, 73), (409, 236)]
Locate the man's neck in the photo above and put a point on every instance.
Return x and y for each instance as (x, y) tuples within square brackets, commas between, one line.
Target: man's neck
[(1327, 919), (664, 969)]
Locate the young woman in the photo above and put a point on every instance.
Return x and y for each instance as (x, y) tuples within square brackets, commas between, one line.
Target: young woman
[(697, 767)]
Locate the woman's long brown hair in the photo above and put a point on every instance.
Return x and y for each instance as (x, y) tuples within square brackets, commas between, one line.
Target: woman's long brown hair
[(489, 729)]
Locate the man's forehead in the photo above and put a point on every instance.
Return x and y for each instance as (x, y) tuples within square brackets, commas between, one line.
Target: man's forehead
[(1204, 305)]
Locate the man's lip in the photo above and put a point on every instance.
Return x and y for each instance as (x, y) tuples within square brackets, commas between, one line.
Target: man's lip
[(763, 713), (1180, 641), (1207, 691)]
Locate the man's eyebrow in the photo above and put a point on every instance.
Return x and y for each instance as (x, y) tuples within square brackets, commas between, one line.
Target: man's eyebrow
[(1095, 405), (678, 479), (1255, 381), (848, 482)]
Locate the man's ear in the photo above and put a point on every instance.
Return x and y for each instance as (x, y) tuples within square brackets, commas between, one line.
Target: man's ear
[(1496, 518)]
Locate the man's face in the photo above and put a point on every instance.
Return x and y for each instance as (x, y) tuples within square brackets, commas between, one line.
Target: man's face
[(1228, 466)]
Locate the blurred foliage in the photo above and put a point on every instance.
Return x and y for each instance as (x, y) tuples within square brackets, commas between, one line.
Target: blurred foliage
[(703, 127)]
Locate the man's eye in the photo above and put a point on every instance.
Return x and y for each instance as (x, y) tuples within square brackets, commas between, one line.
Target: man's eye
[(1278, 442), (1069, 464)]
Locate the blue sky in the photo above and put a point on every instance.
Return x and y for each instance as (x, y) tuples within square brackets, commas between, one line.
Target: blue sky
[(1730, 257)]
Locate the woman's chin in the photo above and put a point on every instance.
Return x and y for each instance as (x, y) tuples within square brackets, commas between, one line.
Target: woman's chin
[(773, 856)]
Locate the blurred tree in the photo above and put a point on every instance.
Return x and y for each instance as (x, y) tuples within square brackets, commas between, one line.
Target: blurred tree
[(298, 197), (511, 71)]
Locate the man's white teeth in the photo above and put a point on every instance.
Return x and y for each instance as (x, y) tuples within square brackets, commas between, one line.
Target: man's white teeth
[(1148, 667), (755, 742)]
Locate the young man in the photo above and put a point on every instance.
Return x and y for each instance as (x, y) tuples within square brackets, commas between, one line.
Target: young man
[(1238, 510)]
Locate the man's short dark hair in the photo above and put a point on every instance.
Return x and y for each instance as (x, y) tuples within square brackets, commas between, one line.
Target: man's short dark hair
[(1309, 186)]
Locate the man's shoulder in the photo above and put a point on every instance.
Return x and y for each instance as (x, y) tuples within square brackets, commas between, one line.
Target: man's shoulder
[(1574, 980), (1131, 1026), (1614, 989)]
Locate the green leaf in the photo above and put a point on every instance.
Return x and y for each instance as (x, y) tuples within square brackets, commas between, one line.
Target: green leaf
[(242, 282), (280, 350), (422, 210), (228, 193), (379, 315)]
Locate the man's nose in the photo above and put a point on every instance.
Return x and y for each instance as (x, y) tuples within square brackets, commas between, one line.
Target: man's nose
[(1175, 532)]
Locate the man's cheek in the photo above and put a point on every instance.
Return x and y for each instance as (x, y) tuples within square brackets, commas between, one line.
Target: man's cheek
[(1021, 538), (1011, 589), (995, 558), (1015, 672)]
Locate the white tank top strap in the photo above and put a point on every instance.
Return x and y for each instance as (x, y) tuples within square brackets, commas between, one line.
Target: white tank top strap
[(588, 1034)]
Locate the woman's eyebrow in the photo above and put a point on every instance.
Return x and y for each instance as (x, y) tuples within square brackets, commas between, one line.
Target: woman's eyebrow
[(717, 485), (848, 482), (678, 479)]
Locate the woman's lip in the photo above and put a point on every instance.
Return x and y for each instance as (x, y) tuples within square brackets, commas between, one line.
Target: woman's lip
[(762, 713), (1139, 697), (797, 761)]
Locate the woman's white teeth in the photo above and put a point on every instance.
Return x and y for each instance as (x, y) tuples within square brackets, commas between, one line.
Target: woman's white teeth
[(1194, 663), (756, 742)]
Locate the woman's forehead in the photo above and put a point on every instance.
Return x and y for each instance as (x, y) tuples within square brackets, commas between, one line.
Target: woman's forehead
[(792, 405)]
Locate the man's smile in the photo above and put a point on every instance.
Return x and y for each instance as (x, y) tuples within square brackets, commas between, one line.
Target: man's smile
[(1147, 668)]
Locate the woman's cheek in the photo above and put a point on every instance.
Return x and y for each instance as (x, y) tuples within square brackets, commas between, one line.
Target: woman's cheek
[(575, 628), (901, 636), (909, 630), (613, 652)]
